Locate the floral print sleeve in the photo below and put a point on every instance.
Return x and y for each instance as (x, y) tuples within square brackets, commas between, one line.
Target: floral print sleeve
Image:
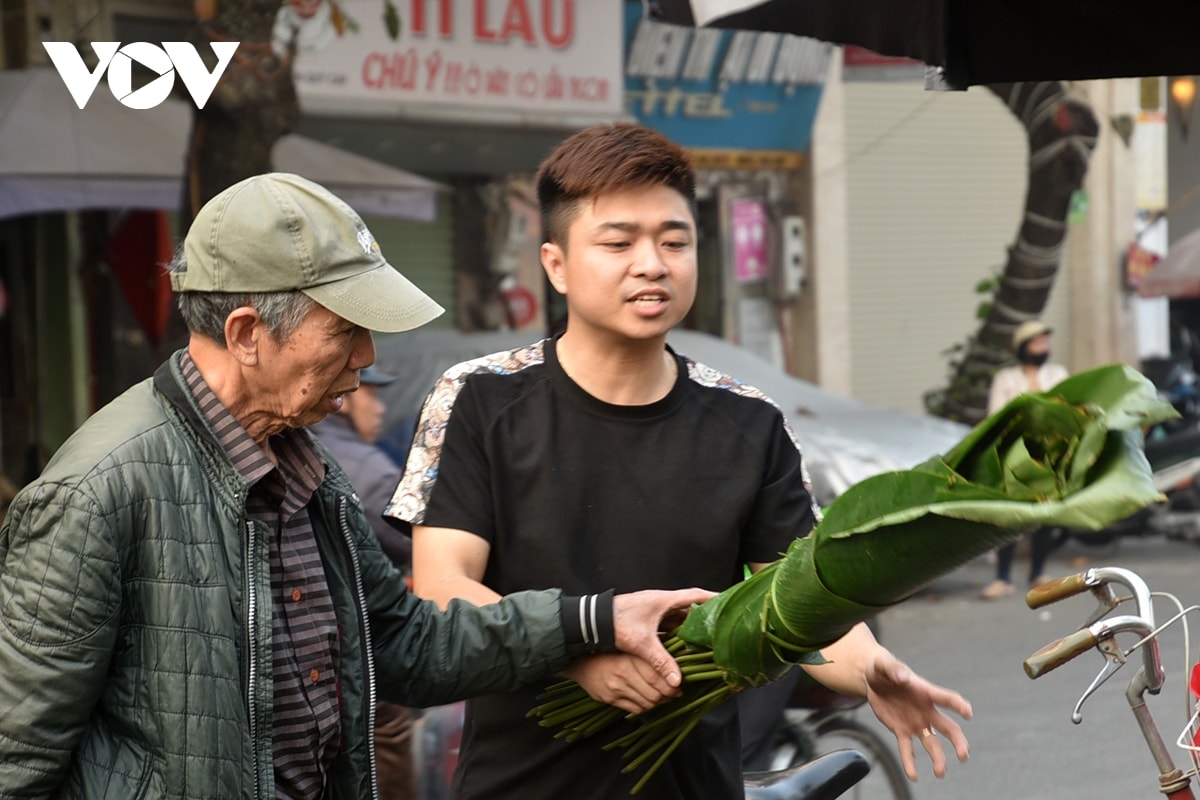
[(410, 500)]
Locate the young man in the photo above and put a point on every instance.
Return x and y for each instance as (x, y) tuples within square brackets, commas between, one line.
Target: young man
[(605, 458), (192, 604)]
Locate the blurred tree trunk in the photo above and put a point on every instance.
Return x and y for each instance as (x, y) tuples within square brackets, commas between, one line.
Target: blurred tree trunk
[(1062, 133), (253, 106)]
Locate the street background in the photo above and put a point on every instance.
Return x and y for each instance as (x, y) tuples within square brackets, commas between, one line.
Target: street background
[(1023, 743)]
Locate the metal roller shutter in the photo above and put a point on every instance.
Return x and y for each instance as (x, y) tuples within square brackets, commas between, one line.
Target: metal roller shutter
[(936, 189), (422, 251)]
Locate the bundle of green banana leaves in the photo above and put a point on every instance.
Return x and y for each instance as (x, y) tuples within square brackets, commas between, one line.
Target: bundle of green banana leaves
[(1069, 457)]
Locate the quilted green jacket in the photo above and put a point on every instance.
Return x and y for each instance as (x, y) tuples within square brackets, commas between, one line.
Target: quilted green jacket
[(135, 620)]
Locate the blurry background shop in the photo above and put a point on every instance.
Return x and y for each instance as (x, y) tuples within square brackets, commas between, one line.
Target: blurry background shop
[(847, 215)]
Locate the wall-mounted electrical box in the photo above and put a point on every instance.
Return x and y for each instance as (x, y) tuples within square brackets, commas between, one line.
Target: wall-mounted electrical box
[(793, 255)]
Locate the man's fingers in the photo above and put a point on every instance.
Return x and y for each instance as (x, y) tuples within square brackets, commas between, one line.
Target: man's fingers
[(620, 679), (636, 621), (689, 597), (640, 684), (653, 678), (933, 740), (908, 759), (631, 701), (948, 698), (953, 733), (933, 746), (654, 654), (628, 706)]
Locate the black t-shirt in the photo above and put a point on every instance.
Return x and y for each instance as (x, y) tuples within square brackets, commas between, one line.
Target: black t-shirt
[(576, 493)]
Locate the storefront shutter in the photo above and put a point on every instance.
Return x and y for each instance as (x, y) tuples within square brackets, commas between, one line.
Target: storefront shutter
[(936, 191), (422, 251)]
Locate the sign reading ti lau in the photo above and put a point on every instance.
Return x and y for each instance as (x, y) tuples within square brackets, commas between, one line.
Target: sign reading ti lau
[(559, 56)]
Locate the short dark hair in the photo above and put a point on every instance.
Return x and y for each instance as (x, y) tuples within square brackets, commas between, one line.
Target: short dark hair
[(606, 158)]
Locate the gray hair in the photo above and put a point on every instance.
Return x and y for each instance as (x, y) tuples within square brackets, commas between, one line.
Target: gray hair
[(205, 312)]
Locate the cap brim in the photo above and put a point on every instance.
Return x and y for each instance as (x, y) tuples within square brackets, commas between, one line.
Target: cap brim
[(379, 300)]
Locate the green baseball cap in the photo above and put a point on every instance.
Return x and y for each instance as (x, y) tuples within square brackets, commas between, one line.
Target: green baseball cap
[(279, 232)]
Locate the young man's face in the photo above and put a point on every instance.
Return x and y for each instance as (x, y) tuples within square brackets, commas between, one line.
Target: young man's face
[(629, 266)]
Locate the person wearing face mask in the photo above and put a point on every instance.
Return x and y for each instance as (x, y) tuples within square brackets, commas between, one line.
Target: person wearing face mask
[(1033, 372)]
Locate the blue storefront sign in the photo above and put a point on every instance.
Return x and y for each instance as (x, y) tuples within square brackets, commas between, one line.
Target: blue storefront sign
[(722, 89)]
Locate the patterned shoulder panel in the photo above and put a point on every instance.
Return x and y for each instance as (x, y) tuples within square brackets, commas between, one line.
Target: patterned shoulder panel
[(409, 501), (716, 379)]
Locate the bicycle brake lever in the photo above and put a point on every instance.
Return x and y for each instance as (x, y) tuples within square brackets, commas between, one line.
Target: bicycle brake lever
[(1115, 659), (1106, 600)]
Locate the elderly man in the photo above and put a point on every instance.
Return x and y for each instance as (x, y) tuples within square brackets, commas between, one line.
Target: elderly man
[(192, 603)]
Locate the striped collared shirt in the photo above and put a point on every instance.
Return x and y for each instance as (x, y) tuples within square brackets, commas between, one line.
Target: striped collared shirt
[(304, 634)]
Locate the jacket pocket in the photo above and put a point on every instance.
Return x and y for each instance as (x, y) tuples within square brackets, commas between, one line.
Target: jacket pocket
[(108, 767)]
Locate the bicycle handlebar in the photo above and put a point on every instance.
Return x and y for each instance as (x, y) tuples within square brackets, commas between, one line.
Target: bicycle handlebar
[(1057, 589), (1098, 580), (1059, 652), (1100, 630)]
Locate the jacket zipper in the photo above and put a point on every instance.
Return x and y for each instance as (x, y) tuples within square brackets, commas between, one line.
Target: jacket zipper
[(252, 666), (369, 662)]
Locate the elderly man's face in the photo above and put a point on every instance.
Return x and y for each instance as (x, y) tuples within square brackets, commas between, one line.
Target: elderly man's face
[(307, 376)]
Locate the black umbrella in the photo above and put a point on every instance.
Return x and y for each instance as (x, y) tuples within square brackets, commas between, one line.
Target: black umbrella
[(981, 41)]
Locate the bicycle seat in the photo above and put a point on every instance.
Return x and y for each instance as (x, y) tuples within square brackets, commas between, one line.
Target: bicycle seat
[(823, 778)]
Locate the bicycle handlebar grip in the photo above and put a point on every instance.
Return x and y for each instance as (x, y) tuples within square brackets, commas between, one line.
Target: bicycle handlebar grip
[(1057, 653), (1054, 590)]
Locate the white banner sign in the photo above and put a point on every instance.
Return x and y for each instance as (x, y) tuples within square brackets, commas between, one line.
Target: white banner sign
[(511, 56)]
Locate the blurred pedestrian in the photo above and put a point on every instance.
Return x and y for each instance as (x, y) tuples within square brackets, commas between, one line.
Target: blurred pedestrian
[(1033, 372), (351, 435)]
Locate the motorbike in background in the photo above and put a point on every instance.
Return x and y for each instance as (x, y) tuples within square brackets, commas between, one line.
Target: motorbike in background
[(1173, 449)]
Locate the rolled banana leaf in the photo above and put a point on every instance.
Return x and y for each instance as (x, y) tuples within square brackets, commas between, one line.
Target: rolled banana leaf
[(1070, 457)]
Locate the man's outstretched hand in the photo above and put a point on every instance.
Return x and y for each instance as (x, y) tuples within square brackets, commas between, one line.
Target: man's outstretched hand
[(913, 708)]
